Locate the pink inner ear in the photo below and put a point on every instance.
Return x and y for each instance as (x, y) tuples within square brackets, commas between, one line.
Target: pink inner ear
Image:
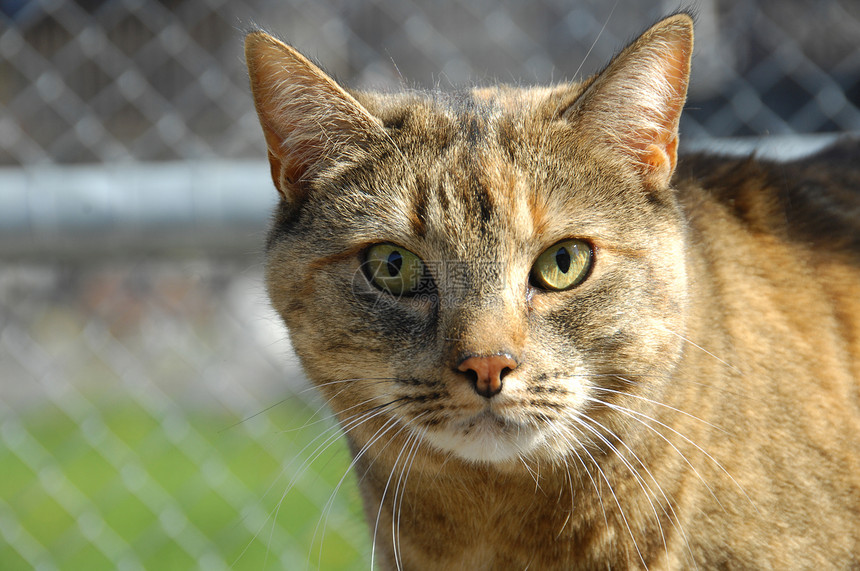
[(658, 160), (655, 143)]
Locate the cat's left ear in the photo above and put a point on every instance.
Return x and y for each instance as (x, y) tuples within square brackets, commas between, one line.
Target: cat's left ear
[(307, 118), (634, 105)]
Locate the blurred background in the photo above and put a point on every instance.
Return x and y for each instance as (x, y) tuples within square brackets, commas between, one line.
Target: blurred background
[(152, 415)]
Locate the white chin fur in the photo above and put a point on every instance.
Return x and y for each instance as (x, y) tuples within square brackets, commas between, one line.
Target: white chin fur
[(485, 442)]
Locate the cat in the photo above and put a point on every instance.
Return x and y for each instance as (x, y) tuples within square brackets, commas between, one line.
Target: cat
[(551, 344)]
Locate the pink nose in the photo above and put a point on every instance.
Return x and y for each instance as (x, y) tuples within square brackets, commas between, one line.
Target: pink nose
[(486, 373)]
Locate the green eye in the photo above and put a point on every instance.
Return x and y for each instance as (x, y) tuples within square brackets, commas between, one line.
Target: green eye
[(562, 266), (394, 269)]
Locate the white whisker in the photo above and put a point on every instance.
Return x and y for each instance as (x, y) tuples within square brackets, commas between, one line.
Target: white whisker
[(646, 489), (700, 449), (700, 348), (627, 412), (410, 458), (385, 428), (382, 499), (617, 502), (334, 434), (658, 403)]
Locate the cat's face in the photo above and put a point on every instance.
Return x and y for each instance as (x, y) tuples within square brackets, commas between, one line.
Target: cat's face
[(490, 272)]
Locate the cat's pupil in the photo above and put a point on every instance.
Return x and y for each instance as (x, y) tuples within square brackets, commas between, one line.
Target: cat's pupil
[(562, 259), (394, 263)]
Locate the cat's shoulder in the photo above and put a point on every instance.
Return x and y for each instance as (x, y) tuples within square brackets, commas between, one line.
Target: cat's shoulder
[(840, 157), (815, 199)]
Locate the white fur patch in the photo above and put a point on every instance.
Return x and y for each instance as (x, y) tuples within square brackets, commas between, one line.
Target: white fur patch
[(486, 437)]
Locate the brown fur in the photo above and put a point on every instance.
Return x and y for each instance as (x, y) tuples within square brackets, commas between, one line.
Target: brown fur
[(694, 402)]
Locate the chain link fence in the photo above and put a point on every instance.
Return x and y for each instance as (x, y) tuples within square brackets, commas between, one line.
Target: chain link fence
[(151, 413), (121, 80)]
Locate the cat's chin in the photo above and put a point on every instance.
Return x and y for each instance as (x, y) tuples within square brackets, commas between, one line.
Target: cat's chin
[(485, 438)]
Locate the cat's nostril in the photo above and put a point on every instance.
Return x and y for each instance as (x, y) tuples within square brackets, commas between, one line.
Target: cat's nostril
[(486, 373)]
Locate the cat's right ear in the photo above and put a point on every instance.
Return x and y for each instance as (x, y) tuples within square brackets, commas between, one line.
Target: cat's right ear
[(307, 118), (633, 107)]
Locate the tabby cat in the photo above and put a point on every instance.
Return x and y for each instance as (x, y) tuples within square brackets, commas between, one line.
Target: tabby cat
[(552, 345)]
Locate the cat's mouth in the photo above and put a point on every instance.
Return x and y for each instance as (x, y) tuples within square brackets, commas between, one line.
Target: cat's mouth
[(487, 419), (485, 436)]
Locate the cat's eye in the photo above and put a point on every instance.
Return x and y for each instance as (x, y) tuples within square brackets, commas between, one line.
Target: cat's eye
[(394, 269), (562, 266)]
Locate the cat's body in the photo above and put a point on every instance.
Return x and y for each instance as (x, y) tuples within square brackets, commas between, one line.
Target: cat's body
[(775, 280), (689, 397)]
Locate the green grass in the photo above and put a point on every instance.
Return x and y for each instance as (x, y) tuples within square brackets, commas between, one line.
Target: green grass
[(128, 488)]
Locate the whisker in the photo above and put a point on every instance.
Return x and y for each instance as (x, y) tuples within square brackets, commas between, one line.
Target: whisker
[(300, 471), (360, 419), (658, 403), (646, 489), (590, 477), (572, 495), (594, 43), (700, 449), (331, 416), (384, 429), (630, 413), (382, 499), (410, 458), (529, 470), (347, 425), (627, 412), (314, 387), (700, 348), (614, 497), (406, 445), (255, 415)]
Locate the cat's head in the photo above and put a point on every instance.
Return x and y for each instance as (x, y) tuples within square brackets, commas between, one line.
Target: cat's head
[(490, 271)]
